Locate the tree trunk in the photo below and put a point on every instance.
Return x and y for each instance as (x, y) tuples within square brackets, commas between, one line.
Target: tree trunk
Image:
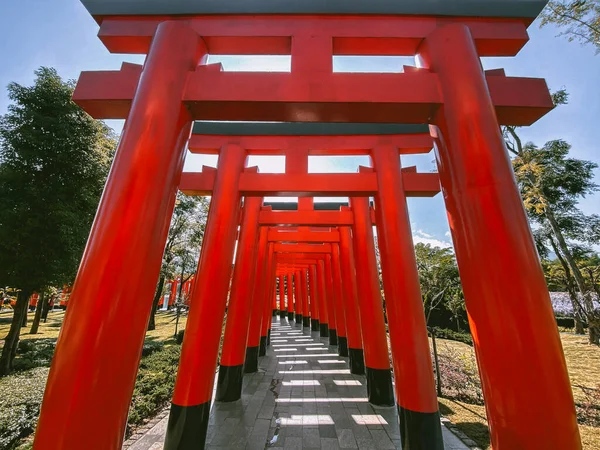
[(38, 314), (45, 309), (12, 338), (593, 322), (157, 295), (577, 313), (24, 318)]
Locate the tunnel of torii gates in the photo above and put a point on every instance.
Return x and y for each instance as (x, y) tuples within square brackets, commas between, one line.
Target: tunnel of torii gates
[(527, 393)]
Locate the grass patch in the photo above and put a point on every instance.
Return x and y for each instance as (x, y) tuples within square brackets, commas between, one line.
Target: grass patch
[(154, 384), (20, 400), (21, 393), (583, 363)]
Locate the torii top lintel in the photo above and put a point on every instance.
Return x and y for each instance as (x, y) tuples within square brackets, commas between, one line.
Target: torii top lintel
[(318, 138), (526, 9)]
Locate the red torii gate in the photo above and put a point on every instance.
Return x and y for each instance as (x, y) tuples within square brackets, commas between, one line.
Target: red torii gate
[(449, 91)]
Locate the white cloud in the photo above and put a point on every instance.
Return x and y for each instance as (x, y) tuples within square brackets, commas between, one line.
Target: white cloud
[(421, 237)]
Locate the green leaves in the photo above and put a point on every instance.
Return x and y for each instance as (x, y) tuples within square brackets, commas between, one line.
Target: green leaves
[(439, 279), (54, 159), (580, 20)]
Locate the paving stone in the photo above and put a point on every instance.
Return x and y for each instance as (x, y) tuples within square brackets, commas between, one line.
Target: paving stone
[(346, 439), (305, 414)]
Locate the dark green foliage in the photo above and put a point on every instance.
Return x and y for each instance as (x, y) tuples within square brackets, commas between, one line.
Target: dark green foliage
[(34, 353), (179, 337), (151, 347), (444, 333), (21, 393), (154, 384), (20, 400), (54, 159), (443, 299)]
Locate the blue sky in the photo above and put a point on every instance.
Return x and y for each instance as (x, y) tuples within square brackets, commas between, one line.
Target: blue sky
[(61, 34)]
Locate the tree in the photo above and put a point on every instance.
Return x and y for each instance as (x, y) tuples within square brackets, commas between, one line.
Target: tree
[(551, 184), (54, 160), (580, 20), (440, 280), (183, 244)]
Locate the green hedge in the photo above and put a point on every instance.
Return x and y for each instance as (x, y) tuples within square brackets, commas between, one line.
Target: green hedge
[(21, 393), (20, 400), (154, 384), (451, 335), (34, 353)]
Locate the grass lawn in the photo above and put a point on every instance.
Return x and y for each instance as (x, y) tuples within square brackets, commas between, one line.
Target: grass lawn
[(165, 326), (21, 392), (583, 362)]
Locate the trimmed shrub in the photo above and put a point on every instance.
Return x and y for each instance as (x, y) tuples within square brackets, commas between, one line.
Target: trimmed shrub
[(151, 347), (451, 335), (154, 384), (20, 399), (34, 353)]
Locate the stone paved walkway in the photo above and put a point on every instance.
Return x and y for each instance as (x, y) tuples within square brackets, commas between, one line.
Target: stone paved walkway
[(303, 397)]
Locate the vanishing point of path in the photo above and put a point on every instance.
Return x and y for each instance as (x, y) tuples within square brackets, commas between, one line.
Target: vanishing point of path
[(302, 397)]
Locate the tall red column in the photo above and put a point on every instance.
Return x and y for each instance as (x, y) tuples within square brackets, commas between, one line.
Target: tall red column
[(379, 376), (333, 339), (274, 303), (90, 382), (257, 340), (352, 314), (323, 300), (298, 295), (314, 301), (264, 291), (418, 413), (503, 292), (190, 408), (338, 300), (246, 281), (290, 294), (282, 307), (306, 311)]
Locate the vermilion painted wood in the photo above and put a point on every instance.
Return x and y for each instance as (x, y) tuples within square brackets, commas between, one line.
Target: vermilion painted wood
[(90, 383), (414, 384), (407, 144), (290, 291), (330, 293), (243, 286), (348, 269), (369, 298), (392, 98), (302, 248), (413, 374), (263, 290), (339, 299), (323, 297), (310, 185), (195, 377), (298, 292), (299, 236), (304, 289), (314, 292), (260, 295), (487, 217), (350, 35), (282, 302)]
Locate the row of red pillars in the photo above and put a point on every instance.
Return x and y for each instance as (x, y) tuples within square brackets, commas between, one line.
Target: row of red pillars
[(500, 270)]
